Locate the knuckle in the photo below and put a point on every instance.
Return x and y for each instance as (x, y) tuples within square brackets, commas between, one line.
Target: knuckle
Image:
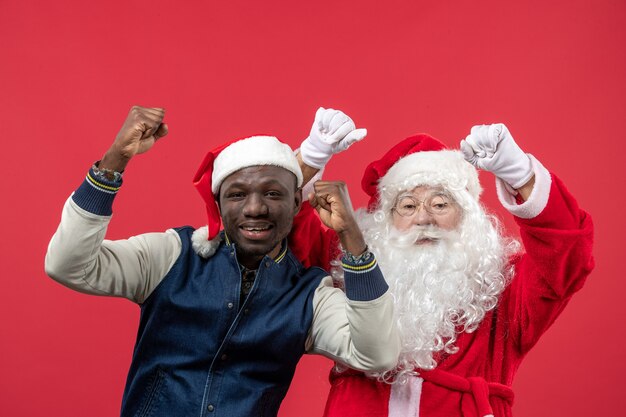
[(136, 115)]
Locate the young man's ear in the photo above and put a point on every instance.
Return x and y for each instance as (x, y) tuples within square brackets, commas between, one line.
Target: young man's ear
[(218, 200), (297, 200)]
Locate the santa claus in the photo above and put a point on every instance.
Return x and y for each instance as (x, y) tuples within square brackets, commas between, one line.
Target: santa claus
[(469, 302)]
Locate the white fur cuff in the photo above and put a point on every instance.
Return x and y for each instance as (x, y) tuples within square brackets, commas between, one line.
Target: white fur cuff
[(538, 198)]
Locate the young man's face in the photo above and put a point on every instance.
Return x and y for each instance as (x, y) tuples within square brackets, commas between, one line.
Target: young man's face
[(258, 205)]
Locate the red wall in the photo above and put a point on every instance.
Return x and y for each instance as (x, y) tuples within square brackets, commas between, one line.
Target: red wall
[(69, 71)]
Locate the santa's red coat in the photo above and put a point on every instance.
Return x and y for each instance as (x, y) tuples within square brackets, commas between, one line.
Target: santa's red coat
[(476, 380)]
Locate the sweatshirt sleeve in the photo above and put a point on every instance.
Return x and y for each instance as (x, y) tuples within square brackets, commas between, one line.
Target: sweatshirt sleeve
[(80, 258), (355, 328)]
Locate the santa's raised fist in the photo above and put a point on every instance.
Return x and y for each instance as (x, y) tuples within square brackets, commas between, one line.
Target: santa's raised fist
[(332, 132), (492, 148)]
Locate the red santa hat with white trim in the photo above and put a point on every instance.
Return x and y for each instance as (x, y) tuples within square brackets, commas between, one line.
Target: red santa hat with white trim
[(419, 160), (225, 160)]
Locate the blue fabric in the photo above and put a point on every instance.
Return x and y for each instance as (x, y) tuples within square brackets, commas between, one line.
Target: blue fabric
[(199, 353), (96, 194), (363, 282)]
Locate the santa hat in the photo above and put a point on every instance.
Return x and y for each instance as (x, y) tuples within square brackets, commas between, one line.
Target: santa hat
[(223, 161), (419, 160)]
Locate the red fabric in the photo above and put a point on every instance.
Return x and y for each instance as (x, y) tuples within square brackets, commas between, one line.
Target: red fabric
[(476, 394), (311, 242), (202, 182), (351, 385), (377, 169), (558, 258)]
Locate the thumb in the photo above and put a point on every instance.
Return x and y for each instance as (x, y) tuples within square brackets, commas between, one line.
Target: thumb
[(161, 131), (351, 138), (357, 135), (468, 152)]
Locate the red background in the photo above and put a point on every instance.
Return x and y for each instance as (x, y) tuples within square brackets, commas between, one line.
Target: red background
[(70, 70)]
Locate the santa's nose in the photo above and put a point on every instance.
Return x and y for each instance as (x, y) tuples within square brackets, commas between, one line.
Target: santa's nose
[(422, 217)]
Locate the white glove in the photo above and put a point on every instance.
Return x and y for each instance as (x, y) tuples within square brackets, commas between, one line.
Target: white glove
[(492, 148), (332, 132)]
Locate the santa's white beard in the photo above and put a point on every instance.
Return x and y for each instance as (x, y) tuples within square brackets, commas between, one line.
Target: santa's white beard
[(440, 288)]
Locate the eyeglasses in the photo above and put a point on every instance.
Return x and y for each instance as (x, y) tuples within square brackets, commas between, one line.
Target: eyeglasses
[(436, 204)]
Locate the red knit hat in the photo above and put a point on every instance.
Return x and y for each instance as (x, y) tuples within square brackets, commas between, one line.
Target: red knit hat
[(418, 160), (223, 161)]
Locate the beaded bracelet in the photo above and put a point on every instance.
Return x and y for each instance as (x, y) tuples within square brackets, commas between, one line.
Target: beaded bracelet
[(362, 259), (106, 174)]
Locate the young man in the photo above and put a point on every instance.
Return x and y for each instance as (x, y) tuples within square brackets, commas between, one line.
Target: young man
[(225, 316)]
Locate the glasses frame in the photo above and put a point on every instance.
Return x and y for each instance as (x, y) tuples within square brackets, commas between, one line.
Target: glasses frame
[(449, 200)]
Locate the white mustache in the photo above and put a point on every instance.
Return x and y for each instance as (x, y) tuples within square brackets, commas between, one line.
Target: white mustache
[(406, 238)]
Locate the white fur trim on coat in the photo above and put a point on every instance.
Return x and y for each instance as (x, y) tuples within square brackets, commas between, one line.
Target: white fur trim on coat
[(537, 200), (200, 243), (404, 399), (446, 167)]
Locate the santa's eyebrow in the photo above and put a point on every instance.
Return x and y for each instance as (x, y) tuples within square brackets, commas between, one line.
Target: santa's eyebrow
[(406, 194), (433, 192)]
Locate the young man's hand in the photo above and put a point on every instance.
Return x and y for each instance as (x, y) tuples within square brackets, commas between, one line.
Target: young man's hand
[(141, 129)]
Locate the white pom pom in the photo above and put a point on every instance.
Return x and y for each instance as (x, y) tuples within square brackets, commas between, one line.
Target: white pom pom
[(201, 245)]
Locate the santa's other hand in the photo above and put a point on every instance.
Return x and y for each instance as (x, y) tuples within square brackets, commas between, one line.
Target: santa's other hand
[(492, 148), (332, 132)]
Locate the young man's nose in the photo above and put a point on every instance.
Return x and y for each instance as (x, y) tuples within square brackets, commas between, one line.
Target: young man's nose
[(255, 206)]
